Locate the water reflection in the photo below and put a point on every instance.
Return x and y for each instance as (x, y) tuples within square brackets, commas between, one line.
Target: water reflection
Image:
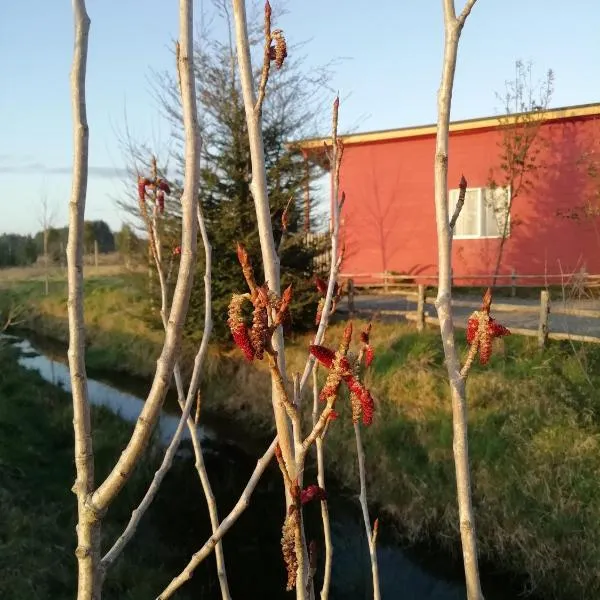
[(126, 405)]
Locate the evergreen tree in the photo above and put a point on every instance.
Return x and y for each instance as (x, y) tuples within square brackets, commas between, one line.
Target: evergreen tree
[(292, 101)]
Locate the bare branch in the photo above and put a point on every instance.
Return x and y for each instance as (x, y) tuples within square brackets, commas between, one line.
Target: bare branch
[(371, 533), (186, 404), (459, 204), (225, 525), (336, 257), (321, 482), (88, 523), (258, 187), (444, 305), (264, 75), (466, 11), (107, 491)]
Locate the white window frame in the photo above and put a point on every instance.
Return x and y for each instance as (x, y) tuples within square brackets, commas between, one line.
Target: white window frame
[(453, 199)]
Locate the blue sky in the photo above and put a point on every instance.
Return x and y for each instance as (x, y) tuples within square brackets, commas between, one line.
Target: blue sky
[(388, 77)]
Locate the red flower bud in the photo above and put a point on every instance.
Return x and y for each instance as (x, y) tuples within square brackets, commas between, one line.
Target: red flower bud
[(321, 286), (472, 327), (162, 185), (324, 355), (369, 355), (177, 250), (365, 333), (312, 492), (366, 400), (142, 183), (160, 199)]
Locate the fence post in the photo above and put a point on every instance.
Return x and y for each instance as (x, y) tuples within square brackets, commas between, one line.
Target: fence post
[(544, 312), (513, 279), (351, 296), (421, 308), (96, 253)]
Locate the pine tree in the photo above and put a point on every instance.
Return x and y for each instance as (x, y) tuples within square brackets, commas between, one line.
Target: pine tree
[(289, 113)]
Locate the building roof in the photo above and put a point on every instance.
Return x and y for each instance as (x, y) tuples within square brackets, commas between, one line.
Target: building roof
[(555, 114)]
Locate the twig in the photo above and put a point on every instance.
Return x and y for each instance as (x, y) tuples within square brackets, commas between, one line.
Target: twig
[(284, 225), (336, 257), (122, 470), (186, 404), (459, 204), (225, 525), (371, 535), (258, 188), (321, 482), (465, 12), (264, 75)]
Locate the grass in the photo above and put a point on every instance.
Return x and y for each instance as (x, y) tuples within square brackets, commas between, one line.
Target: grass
[(534, 434)]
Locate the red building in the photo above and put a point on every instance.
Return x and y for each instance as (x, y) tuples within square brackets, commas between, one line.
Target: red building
[(552, 160)]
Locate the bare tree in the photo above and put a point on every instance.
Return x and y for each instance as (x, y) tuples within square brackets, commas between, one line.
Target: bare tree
[(93, 501), (520, 147), (88, 525), (452, 28), (47, 218)]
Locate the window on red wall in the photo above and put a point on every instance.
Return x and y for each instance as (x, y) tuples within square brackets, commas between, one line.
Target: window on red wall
[(485, 213)]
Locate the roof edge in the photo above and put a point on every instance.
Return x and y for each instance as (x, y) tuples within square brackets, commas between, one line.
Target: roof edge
[(554, 114)]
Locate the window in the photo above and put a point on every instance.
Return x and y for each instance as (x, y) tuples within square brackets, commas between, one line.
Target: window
[(483, 213)]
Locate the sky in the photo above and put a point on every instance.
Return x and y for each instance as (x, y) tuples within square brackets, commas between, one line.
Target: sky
[(387, 72)]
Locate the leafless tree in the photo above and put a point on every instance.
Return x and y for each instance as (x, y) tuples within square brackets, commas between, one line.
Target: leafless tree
[(47, 219), (524, 103), (453, 26), (93, 500)]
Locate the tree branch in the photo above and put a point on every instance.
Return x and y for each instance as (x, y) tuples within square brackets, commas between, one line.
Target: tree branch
[(88, 521), (107, 491), (444, 304), (321, 482), (225, 525), (459, 204), (466, 11), (337, 152), (258, 187)]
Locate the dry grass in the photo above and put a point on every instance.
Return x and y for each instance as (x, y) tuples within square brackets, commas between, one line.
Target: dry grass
[(534, 434), (109, 265)]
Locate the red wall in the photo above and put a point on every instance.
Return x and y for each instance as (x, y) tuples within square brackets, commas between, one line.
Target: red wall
[(388, 220)]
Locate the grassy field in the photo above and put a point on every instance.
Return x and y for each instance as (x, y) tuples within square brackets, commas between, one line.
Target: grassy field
[(534, 432)]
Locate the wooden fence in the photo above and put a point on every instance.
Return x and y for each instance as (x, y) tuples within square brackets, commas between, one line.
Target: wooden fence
[(389, 282), (322, 260), (542, 309)]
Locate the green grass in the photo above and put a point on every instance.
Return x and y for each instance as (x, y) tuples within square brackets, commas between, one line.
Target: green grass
[(534, 434)]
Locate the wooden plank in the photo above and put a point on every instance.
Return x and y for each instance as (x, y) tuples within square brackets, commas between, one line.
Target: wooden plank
[(421, 308), (552, 335), (543, 323)]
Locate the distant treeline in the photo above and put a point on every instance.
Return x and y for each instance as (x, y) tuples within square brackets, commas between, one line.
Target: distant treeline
[(23, 250)]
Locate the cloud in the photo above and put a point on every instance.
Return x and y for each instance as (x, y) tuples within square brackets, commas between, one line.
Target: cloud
[(29, 166)]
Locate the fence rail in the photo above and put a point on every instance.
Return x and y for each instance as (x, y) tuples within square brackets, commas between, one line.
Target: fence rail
[(390, 281), (542, 332)]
